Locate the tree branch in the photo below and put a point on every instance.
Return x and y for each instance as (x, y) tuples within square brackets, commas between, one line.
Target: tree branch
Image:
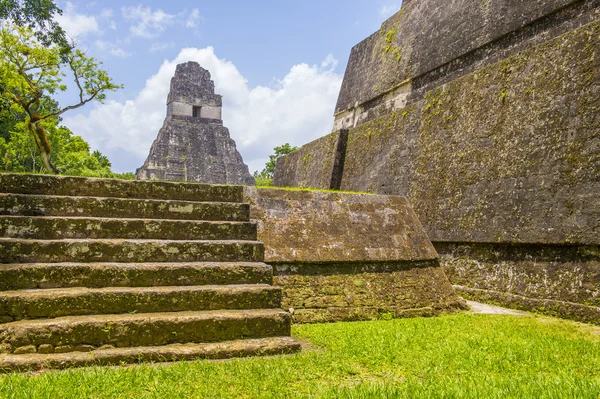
[(70, 107)]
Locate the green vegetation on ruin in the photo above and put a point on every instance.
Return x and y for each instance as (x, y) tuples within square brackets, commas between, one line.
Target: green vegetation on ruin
[(489, 126), (318, 190), (466, 356)]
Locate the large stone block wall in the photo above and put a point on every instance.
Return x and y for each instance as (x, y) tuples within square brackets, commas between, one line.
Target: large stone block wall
[(313, 165), (494, 136), (427, 34), (349, 256), (510, 152), (552, 279)]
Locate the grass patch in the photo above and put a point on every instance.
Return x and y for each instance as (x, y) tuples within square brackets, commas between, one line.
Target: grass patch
[(263, 181), (460, 356)]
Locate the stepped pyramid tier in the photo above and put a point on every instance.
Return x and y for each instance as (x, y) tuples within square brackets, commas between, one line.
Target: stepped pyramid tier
[(193, 145), (104, 271)]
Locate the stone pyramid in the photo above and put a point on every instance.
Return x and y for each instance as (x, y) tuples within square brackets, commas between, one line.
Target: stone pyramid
[(193, 145)]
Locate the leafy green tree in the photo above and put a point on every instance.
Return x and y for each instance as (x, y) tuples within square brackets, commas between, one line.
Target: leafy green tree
[(269, 170), (37, 16), (71, 153), (31, 72)]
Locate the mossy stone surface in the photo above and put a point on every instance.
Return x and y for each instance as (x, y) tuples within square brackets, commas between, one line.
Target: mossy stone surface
[(42, 205), (364, 290), (60, 227), (86, 186), (309, 226), (131, 274), (133, 330)]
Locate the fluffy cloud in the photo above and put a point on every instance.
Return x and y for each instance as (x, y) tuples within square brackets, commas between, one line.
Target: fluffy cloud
[(147, 23), (106, 13), (193, 19), (157, 47), (112, 48), (297, 109), (76, 25)]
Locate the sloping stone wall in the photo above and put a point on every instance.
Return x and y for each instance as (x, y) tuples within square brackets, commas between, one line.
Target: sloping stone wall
[(349, 256), (428, 34), (316, 164)]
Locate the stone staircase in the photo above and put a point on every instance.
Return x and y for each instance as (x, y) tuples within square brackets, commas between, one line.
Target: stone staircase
[(101, 272)]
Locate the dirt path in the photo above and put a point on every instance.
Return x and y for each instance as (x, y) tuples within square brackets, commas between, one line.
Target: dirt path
[(482, 308)]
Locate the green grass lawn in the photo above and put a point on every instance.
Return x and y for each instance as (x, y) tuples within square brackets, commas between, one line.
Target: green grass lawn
[(473, 356)]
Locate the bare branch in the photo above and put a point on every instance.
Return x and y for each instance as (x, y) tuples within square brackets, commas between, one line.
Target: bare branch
[(70, 107)]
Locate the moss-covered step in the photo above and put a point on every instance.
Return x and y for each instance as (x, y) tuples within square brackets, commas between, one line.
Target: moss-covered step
[(83, 186), (85, 333), (173, 352), (56, 227), (61, 275), (41, 205), (13, 250), (45, 303)]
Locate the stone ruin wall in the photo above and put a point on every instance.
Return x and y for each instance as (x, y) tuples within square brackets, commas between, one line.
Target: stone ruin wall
[(485, 114), (332, 263)]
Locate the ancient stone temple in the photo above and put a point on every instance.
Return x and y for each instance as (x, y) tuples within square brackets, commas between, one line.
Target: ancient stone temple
[(193, 145), (485, 115)]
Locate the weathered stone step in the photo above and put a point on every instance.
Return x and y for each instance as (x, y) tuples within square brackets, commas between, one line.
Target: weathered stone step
[(37, 205), (45, 303), (165, 353), (61, 275), (14, 250), (55, 227), (83, 186), (84, 333)]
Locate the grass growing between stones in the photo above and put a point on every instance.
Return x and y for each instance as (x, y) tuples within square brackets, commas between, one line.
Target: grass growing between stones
[(471, 356)]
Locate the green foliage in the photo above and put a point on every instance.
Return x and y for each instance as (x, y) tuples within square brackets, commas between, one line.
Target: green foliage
[(124, 176), (71, 154), (262, 181), (269, 170), (30, 73), (461, 356), (390, 36), (35, 59), (38, 16)]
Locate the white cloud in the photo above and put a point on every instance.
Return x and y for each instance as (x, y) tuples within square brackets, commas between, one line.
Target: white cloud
[(76, 25), (388, 10), (157, 47), (193, 19), (297, 109), (112, 25), (147, 23), (119, 52), (112, 48), (106, 13)]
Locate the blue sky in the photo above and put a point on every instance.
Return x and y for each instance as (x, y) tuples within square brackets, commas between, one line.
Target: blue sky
[(279, 65)]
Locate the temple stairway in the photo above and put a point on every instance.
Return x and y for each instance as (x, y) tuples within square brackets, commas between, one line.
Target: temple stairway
[(103, 272)]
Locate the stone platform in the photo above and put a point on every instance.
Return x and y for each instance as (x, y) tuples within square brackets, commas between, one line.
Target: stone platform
[(340, 256)]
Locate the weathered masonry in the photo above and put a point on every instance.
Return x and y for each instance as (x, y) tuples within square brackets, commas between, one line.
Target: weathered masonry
[(486, 115), (105, 271), (340, 257), (193, 145)]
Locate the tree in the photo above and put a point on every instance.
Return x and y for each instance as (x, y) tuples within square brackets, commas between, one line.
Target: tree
[(71, 153), (31, 72), (269, 170), (37, 16)]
